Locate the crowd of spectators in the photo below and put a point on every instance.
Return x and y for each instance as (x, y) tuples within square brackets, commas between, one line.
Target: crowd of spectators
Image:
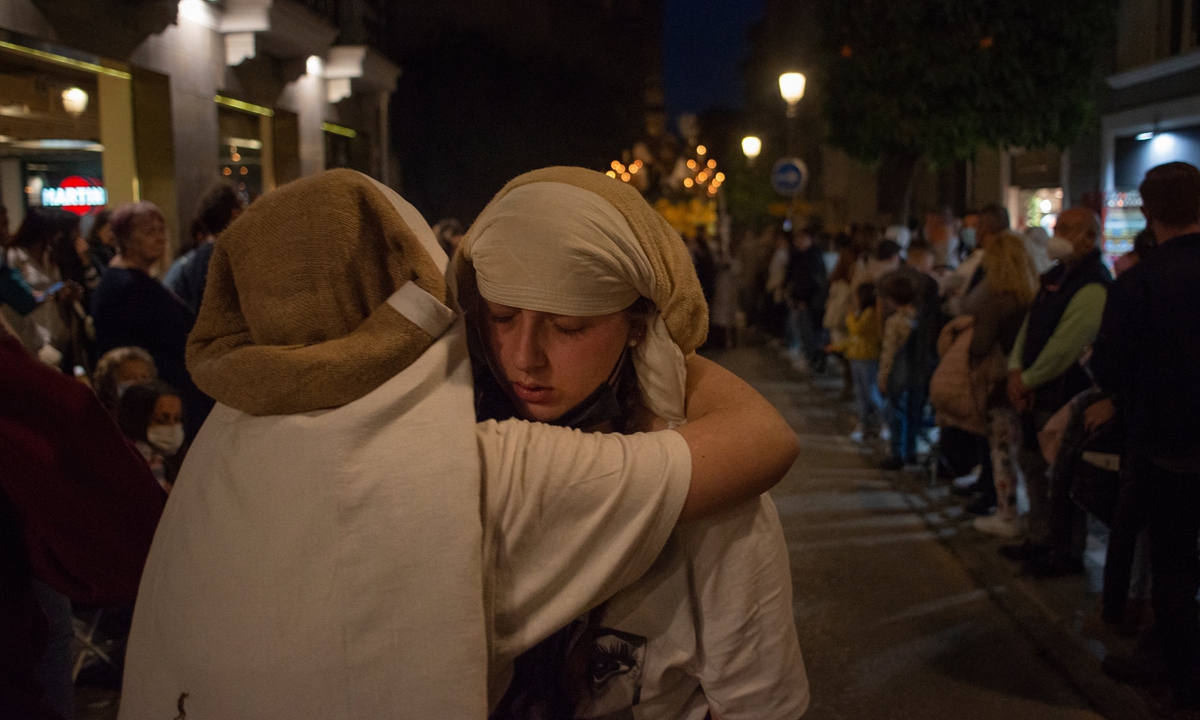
[(1016, 365), (87, 470)]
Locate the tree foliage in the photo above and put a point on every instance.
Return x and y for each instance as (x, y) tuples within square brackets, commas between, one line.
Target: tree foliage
[(936, 79)]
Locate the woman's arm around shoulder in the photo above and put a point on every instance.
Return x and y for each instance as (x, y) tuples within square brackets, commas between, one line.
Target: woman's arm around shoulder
[(741, 446)]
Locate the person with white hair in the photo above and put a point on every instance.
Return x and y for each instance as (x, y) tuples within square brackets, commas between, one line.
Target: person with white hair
[(1044, 374)]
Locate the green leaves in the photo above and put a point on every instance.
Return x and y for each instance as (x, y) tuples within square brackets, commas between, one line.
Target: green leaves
[(938, 78)]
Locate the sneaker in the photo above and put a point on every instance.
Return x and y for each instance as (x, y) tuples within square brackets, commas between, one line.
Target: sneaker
[(968, 490), (885, 434), (998, 525), (856, 435)]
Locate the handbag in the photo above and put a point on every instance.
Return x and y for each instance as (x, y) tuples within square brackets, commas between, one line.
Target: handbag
[(1096, 486)]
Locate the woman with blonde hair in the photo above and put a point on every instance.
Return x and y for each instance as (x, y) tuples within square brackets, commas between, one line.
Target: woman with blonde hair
[(998, 306)]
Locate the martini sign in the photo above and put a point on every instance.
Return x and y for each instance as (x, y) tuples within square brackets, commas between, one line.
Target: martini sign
[(76, 194)]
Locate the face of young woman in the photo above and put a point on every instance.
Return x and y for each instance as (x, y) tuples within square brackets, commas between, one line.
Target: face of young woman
[(551, 363), (168, 410)]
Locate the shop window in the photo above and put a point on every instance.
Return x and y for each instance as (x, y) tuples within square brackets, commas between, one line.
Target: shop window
[(1135, 154), (1123, 220), (50, 151), (241, 151)]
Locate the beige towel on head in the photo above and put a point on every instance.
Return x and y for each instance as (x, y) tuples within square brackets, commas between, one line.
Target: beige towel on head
[(676, 290), (321, 556), (295, 314), (572, 241)]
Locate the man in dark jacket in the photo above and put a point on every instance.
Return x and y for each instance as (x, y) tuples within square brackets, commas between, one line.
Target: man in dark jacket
[(1148, 354), (806, 282), (1044, 374)]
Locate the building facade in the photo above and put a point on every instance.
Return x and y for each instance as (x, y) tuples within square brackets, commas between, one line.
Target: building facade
[(1151, 108), (108, 101)]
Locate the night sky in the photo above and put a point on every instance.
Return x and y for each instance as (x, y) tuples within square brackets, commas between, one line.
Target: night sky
[(703, 45)]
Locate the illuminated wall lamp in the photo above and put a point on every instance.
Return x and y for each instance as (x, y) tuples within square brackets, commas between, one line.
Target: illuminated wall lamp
[(75, 101)]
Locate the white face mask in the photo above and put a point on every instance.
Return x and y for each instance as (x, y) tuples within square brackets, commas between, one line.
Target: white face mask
[(167, 438), (1059, 248)]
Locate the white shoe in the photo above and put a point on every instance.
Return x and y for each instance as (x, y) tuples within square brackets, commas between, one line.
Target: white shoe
[(969, 478), (885, 434), (998, 525), (856, 435)]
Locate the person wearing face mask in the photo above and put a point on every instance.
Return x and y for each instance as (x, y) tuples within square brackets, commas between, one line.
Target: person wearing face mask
[(151, 415), (1044, 371), (988, 223), (562, 280), (118, 370), (941, 232)]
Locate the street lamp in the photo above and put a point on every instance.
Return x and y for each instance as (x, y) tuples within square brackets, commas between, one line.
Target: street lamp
[(791, 87), (751, 147)]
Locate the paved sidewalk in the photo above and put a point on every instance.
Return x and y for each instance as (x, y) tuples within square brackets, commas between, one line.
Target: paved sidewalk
[(903, 609)]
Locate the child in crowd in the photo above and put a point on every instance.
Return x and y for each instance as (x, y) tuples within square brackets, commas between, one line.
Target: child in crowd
[(899, 373), (151, 414), (118, 370), (861, 348)]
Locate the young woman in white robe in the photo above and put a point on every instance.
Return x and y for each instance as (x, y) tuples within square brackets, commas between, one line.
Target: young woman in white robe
[(582, 305)]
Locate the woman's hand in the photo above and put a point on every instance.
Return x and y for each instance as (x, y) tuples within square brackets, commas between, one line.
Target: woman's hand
[(1098, 414), (70, 293), (1020, 396)]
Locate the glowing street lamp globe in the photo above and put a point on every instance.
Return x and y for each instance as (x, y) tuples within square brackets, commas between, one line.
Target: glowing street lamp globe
[(791, 87), (751, 147)]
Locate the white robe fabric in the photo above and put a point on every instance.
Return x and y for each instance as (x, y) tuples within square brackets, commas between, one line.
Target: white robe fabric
[(276, 585), (280, 581)]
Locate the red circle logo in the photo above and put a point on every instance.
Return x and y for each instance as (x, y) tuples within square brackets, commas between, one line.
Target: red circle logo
[(75, 181)]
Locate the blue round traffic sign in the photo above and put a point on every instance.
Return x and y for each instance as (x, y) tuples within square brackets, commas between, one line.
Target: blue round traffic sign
[(789, 175)]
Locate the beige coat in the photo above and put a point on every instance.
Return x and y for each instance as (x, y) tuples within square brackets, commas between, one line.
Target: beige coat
[(958, 390)]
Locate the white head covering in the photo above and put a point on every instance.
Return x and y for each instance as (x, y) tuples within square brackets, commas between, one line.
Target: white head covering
[(558, 248)]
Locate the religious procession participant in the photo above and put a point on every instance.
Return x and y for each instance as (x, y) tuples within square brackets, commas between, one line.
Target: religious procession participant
[(324, 554), (577, 294)]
